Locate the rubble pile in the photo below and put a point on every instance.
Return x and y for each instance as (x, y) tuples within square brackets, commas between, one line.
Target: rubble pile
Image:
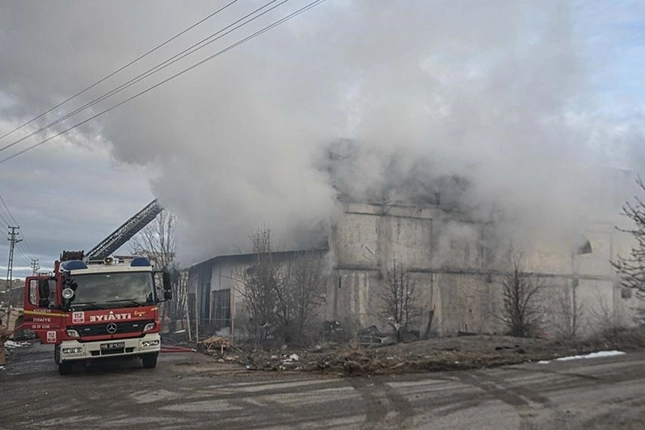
[(370, 362), (263, 360), (365, 358), (372, 337), (222, 348), (356, 362), (220, 343), (371, 355)]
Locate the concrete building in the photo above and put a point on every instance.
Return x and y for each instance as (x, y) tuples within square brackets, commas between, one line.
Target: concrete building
[(457, 266), (458, 270)]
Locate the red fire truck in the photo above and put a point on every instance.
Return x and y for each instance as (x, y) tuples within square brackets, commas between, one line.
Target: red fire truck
[(95, 306), (93, 310)]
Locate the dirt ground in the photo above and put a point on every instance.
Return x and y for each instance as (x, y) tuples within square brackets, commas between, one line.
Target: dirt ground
[(191, 390), (439, 354)]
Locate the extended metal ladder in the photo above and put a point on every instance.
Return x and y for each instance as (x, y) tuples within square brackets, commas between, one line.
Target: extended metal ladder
[(122, 234)]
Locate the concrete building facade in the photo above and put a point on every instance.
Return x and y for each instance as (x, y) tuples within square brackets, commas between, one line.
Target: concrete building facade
[(458, 269), (456, 265)]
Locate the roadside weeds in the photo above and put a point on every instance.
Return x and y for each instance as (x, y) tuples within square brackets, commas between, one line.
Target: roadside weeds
[(433, 355)]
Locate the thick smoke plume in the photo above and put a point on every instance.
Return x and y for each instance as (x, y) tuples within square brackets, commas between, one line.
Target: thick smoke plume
[(485, 103)]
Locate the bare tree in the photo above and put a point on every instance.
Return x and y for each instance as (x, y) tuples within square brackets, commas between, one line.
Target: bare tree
[(260, 283), (631, 269), (568, 312), (521, 312), (281, 297), (609, 321), (305, 282), (400, 309), (157, 242)]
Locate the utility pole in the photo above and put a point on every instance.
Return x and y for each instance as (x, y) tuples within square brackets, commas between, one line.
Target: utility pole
[(34, 266), (13, 239)]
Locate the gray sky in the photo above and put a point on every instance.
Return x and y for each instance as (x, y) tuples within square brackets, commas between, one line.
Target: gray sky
[(522, 96)]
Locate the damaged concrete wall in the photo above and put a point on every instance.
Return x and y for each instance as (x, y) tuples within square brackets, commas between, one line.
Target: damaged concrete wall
[(457, 266), (466, 303), (368, 236)]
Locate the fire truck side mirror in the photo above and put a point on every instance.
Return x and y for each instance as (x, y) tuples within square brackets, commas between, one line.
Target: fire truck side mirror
[(43, 293), (166, 281), (167, 286)]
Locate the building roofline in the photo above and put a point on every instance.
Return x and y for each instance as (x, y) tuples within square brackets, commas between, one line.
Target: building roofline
[(250, 256)]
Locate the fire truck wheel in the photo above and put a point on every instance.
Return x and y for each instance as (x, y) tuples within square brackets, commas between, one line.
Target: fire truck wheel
[(65, 368), (150, 360)]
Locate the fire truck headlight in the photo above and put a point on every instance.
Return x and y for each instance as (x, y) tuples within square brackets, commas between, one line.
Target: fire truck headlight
[(149, 326), (72, 333), (77, 350), (68, 293)]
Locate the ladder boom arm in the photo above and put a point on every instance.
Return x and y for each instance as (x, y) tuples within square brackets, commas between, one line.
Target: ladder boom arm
[(122, 234)]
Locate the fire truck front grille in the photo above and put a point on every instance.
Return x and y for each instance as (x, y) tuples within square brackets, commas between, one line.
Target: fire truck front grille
[(102, 329)]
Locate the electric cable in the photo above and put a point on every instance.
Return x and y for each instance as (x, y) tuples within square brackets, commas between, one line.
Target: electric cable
[(145, 74), (15, 223), (199, 63), (117, 70)]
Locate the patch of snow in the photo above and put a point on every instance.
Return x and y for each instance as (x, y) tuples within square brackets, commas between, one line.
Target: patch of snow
[(599, 354)]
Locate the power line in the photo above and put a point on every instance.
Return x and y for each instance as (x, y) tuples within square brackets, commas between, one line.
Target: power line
[(21, 260), (3, 211), (23, 252), (29, 251), (199, 63), (24, 239), (118, 70), (149, 72), (7, 209), (5, 223)]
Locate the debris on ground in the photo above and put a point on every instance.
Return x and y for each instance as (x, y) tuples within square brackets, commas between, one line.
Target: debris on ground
[(218, 343), (437, 354), (371, 336), (10, 344), (291, 359)]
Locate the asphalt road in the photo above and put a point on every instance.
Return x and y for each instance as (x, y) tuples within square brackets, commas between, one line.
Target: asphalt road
[(189, 390)]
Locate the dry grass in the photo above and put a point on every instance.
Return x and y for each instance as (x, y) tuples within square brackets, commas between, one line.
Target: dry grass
[(441, 354)]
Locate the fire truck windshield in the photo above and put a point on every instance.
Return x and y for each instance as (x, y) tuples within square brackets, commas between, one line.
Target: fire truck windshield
[(113, 289)]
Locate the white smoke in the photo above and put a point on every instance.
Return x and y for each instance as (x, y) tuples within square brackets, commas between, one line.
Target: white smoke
[(497, 92)]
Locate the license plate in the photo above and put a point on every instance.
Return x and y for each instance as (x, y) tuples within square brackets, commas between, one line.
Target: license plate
[(111, 346)]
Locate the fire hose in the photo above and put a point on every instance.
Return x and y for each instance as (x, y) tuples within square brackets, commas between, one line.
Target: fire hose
[(167, 348)]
